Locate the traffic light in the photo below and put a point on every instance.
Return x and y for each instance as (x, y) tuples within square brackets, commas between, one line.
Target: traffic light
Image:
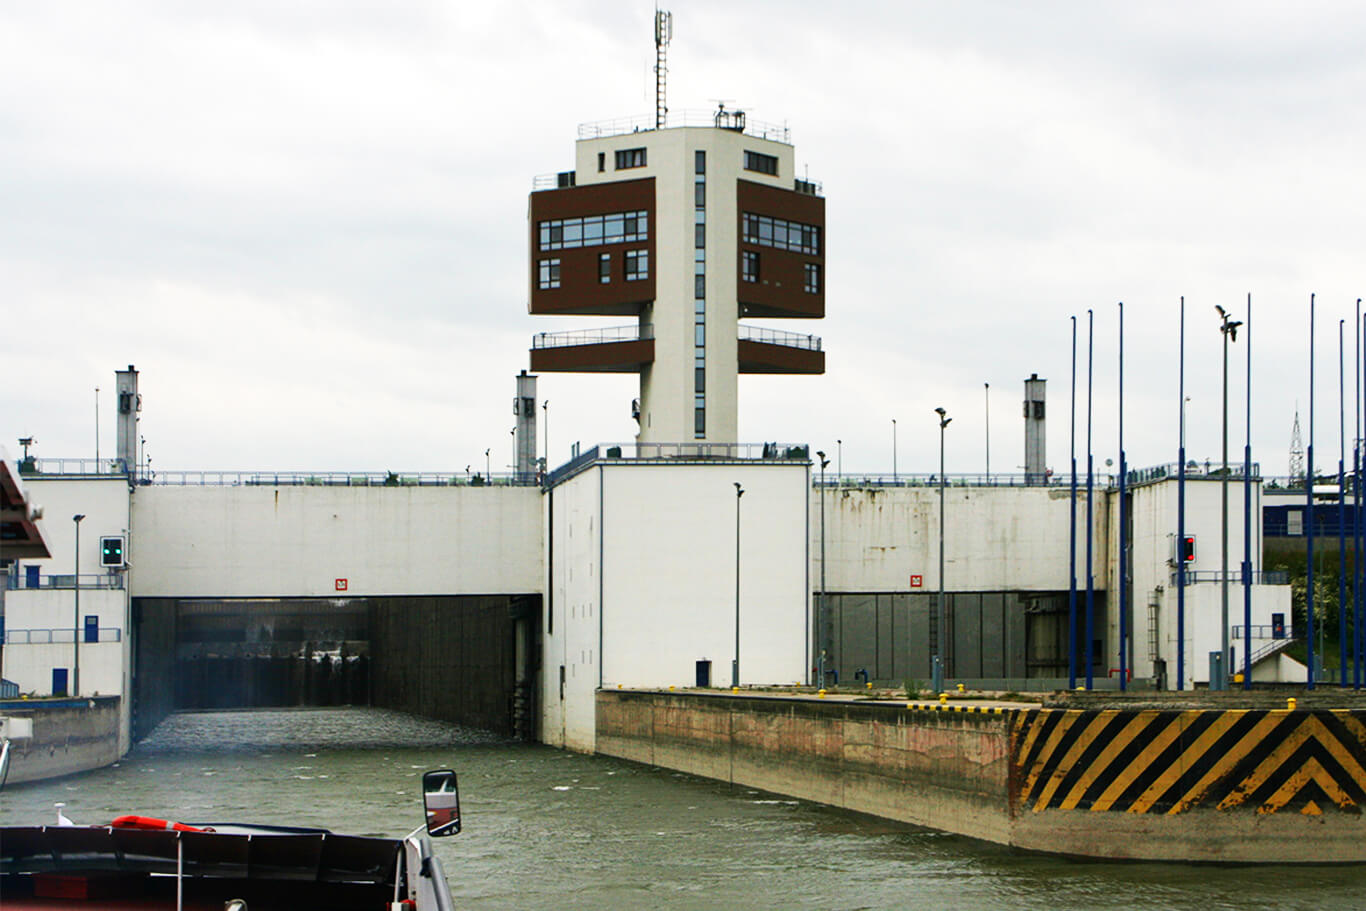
[(111, 550), (1188, 549)]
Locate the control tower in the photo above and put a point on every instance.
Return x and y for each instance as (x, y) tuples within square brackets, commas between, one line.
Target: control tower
[(685, 230)]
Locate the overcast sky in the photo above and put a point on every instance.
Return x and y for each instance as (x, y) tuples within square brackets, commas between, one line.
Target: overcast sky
[(305, 222)]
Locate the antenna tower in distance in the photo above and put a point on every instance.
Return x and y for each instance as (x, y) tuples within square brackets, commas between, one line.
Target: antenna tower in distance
[(664, 32)]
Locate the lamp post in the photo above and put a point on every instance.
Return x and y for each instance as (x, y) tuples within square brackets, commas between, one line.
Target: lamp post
[(986, 387), (821, 612), (488, 465), (735, 665), (839, 458), (545, 407), (937, 665), (76, 620), (893, 450), (1229, 328)]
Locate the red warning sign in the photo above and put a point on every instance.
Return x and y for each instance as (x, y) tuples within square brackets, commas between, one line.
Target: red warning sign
[(341, 585), (917, 581)]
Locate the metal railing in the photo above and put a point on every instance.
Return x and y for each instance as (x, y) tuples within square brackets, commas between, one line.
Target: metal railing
[(780, 337), (72, 467), (50, 636), (1198, 471), (67, 582), (644, 123), (1265, 631), (333, 479), (1235, 577), (606, 336), (951, 480), (679, 452)]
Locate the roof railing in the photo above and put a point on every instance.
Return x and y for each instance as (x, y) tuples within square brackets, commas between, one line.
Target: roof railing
[(737, 121), (605, 336)]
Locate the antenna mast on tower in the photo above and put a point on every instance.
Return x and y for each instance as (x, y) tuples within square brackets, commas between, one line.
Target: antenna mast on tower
[(664, 32), (1296, 450)]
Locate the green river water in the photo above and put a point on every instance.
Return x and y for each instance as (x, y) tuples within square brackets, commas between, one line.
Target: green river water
[(549, 829)]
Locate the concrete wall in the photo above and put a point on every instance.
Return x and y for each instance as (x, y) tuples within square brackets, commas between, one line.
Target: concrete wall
[(1241, 785), (995, 538), (1153, 529), (643, 582), (68, 736), (947, 771), (297, 541), (39, 623)]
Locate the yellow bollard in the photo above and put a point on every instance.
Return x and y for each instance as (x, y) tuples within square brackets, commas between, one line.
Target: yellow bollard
[(671, 687), (943, 698), (735, 689), (821, 693), (618, 686), (869, 684), (1290, 704), (960, 688)]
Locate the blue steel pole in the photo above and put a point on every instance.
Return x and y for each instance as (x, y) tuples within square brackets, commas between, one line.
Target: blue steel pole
[(1072, 533), (1181, 516), (1123, 580), (1342, 515), (1309, 509), (1357, 508), (1247, 510), (1090, 492)]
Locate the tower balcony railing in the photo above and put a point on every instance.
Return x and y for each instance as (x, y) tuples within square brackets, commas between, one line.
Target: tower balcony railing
[(71, 467), (780, 337), (1195, 471), (605, 336), (725, 120)]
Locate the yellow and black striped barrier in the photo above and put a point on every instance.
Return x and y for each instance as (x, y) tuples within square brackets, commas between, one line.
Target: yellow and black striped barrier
[(1172, 762)]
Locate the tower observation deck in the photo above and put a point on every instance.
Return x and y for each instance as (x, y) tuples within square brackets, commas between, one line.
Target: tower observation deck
[(687, 230)]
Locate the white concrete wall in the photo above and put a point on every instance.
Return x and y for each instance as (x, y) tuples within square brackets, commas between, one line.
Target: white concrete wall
[(1154, 528), (571, 638), (995, 538), (296, 541), (643, 583), (105, 667)]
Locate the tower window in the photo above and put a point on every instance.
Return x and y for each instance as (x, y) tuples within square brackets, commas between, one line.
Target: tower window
[(630, 158), (637, 265), (699, 160), (764, 164), (749, 266), (549, 274), (605, 268), (602, 161), (812, 278)]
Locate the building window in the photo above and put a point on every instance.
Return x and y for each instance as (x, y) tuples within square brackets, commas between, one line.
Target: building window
[(699, 422), (749, 266), (699, 235), (812, 282), (602, 161), (605, 268), (637, 265), (699, 162), (699, 287), (764, 164), (593, 230), (700, 195), (549, 274), (630, 158), (699, 380), (780, 234)]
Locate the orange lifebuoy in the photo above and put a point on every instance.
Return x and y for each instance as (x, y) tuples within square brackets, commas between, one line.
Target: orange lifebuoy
[(149, 822)]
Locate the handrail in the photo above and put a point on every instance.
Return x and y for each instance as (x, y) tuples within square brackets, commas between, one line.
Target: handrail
[(1235, 576), (905, 479), (1198, 471), (643, 123), (69, 467), (607, 336), (1265, 631), (780, 337), (60, 634), (162, 477), (65, 582)]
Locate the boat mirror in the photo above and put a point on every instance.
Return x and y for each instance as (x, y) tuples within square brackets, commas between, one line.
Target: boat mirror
[(441, 799)]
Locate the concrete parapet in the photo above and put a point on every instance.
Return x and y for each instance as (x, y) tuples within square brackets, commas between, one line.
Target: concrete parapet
[(68, 736), (1205, 784)]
